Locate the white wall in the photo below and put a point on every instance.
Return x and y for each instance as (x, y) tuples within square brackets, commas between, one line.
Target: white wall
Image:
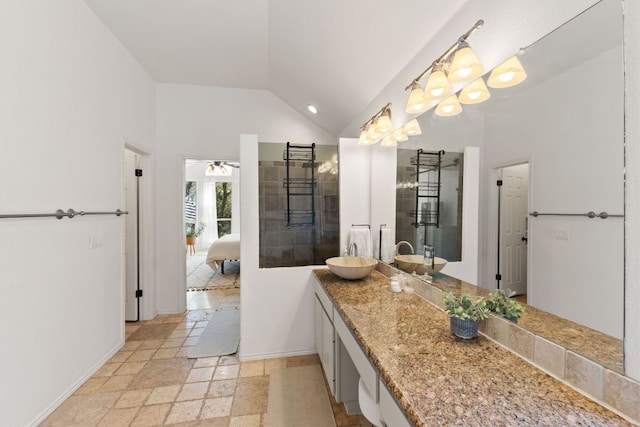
[(69, 96), (205, 122), (276, 303)]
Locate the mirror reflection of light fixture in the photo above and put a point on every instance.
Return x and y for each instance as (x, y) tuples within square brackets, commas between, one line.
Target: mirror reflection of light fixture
[(383, 124), (507, 74), (449, 107), (465, 65), (474, 93), (438, 86), (400, 135), (389, 141), (412, 128), (458, 64)]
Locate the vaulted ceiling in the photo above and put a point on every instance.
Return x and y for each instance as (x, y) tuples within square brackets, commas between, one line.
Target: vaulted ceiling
[(334, 54)]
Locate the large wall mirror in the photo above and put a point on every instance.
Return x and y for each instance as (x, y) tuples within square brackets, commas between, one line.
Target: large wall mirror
[(556, 143)]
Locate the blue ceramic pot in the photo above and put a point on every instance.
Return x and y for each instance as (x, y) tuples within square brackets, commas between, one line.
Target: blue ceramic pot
[(464, 328)]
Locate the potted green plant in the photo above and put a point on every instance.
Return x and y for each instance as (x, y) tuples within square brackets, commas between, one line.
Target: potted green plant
[(464, 314), (193, 232), (501, 303)]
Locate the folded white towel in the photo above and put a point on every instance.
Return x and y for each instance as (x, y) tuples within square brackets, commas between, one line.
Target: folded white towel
[(388, 249), (362, 238)]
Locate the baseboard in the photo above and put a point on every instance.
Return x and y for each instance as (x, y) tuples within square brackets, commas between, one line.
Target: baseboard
[(75, 386), (263, 356)]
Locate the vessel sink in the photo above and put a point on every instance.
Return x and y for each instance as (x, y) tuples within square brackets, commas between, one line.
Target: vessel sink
[(351, 267), (411, 263)]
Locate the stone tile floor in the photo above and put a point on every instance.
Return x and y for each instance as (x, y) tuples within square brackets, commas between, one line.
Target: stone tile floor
[(151, 382)]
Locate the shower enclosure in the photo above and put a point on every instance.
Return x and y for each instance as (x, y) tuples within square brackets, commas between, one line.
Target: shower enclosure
[(298, 202)]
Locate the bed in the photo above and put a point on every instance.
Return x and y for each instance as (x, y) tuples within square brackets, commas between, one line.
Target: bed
[(225, 248)]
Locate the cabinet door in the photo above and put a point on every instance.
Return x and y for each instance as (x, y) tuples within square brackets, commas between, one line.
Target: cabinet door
[(318, 327), (327, 355)]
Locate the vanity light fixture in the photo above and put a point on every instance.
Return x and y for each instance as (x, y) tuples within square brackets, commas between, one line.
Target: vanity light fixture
[(389, 141), (474, 93), (449, 107), (378, 126), (458, 64), (400, 135), (507, 74)]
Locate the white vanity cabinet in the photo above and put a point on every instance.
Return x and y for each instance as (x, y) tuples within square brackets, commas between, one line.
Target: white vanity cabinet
[(390, 413), (325, 342)]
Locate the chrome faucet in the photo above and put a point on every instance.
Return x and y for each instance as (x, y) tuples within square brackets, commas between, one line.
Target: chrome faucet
[(353, 249), (403, 242)]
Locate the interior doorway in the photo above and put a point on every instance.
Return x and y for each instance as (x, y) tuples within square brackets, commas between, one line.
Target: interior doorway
[(211, 223), (513, 208), (133, 292)]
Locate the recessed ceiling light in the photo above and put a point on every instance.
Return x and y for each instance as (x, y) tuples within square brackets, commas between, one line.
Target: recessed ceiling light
[(312, 108)]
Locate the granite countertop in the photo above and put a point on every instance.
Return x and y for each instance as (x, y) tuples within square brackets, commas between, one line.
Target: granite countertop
[(439, 379), (588, 342)]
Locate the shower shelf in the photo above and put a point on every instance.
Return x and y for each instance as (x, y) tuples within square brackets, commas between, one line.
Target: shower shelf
[(302, 213), (427, 193)]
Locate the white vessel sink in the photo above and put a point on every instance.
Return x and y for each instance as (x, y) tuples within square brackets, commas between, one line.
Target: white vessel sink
[(411, 263), (351, 267)]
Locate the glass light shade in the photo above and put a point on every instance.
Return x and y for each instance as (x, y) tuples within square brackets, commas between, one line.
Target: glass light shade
[(474, 93), (210, 170), (364, 138), (412, 128), (388, 141), (449, 107), (465, 65), (374, 135), (438, 86), (507, 74), (383, 126), (416, 103), (400, 134)]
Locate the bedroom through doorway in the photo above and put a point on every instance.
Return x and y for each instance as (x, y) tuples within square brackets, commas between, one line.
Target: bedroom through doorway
[(211, 229)]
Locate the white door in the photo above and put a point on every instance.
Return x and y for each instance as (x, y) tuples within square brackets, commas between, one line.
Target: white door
[(131, 235), (513, 228)]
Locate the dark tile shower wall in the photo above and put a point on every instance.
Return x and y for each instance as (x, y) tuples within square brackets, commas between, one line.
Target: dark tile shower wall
[(287, 246)]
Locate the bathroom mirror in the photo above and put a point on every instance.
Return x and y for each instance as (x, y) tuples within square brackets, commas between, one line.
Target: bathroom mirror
[(564, 126)]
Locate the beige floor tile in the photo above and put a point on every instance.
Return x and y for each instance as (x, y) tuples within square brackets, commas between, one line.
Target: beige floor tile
[(92, 385), (165, 353), (251, 396), (133, 398), (193, 391), (163, 372), (246, 421), (252, 369), (130, 328), (311, 359), (82, 410), (200, 374), (130, 368), (107, 370), (120, 356), (185, 325), (204, 362), (116, 383), (118, 417), (216, 407), (271, 364), (172, 342), (228, 360), (166, 394), (149, 416), (179, 333), (226, 372), (191, 341), (201, 324), (222, 388), (131, 346), (184, 411), (150, 344), (184, 351), (141, 355)]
